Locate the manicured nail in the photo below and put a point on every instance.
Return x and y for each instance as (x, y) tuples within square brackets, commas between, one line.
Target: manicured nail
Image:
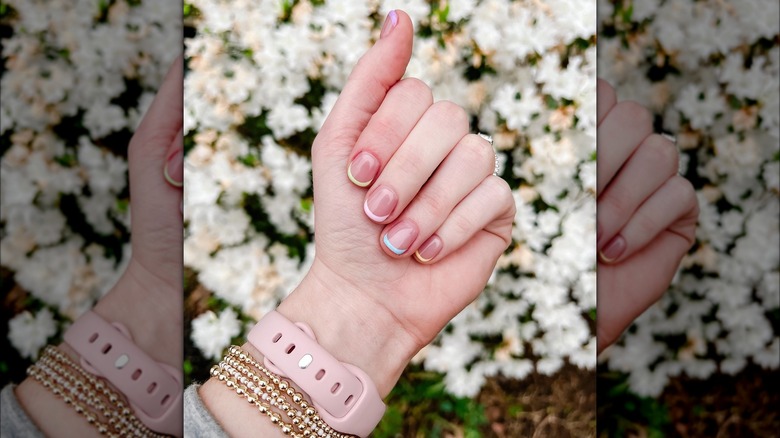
[(429, 249), (173, 170), (400, 236), (380, 204), (390, 22), (613, 249), (362, 169)]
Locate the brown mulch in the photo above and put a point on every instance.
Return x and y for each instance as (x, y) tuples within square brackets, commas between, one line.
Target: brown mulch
[(561, 405), (744, 405)]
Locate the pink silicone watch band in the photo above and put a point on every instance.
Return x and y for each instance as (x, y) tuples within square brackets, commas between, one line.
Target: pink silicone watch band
[(343, 394), (153, 389)]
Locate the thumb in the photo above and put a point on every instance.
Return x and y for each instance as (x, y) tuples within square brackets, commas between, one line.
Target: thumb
[(377, 70)]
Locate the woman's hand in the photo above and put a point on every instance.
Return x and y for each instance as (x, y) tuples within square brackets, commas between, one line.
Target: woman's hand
[(647, 214), (409, 221)]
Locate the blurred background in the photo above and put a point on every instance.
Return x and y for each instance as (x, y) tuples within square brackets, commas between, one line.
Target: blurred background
[(77, 77), (262, 76), (701, 361)]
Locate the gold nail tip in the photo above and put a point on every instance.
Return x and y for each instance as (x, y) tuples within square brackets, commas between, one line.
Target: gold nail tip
[(356, 182), (420, 258), (170, 180), (605, 259)]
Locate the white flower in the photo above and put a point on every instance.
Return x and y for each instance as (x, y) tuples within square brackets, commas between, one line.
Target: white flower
[(29, 333), (212, 333)]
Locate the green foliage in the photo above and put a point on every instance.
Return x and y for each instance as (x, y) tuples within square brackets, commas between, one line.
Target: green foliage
[(623, 413), (419, 405)]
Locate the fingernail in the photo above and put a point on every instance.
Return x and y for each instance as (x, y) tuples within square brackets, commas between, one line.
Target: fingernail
[(429, 249), (390, 22), (400, 236), (362, 169), (613, 249), (380, 204), (173, 170)]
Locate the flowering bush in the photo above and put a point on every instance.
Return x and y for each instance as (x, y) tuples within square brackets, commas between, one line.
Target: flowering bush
[(709, 71), (263, 76), (78, 77)]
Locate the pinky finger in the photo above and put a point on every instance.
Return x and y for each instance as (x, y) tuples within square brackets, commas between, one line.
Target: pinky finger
[(488, 207), (672, 207)]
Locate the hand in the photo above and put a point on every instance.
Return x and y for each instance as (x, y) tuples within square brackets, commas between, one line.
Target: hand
[(430, 191), (647, 214)]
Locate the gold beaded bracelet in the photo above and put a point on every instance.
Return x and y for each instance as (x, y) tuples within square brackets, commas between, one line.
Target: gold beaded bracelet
[(88, 395), (273, 396)]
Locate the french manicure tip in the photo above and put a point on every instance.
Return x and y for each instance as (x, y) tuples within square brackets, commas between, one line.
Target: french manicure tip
[(420, 258), (355, 181), (391, 247), (604, 258), (372, 216), (170, 180)]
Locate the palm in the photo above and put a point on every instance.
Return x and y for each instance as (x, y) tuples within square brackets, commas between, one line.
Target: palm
[(347, 242)]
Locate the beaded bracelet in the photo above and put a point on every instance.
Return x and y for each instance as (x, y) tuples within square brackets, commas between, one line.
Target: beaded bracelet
[(88, 395), (273, 396)]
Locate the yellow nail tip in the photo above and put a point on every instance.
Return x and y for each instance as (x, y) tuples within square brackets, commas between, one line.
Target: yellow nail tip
[(605, 259), (170, 180), (354, 181)]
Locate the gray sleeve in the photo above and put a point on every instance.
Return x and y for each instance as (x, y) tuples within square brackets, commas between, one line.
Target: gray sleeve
[(198, 422), (14, 422)]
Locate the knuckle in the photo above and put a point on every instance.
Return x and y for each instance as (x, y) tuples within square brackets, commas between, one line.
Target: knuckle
[(415, 89), (462, 224), (662, 152), (613, 204), (635, 112), (478, 152), (383, 133), (451, 114), (645, 225), (433, 200), (500, 190), (684, 190)]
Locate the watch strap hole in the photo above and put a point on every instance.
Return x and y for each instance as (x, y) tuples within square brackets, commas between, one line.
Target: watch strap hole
[(277, 337), (93, 338), (320, 374), (348, 400), (151, 388), (335, 388), (106, 348), (290, 348), (136, 374)]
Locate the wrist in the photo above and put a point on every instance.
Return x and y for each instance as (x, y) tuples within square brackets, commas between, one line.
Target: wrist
[(150, 309), (351, 326)]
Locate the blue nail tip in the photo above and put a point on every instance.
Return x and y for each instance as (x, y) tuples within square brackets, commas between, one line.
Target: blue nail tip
[(392, 248)]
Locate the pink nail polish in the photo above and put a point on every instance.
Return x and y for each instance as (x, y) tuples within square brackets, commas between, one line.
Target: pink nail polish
[(430, 249), (613, 249), (390, 22), (380, 204), (400, 237), (362, 169)]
